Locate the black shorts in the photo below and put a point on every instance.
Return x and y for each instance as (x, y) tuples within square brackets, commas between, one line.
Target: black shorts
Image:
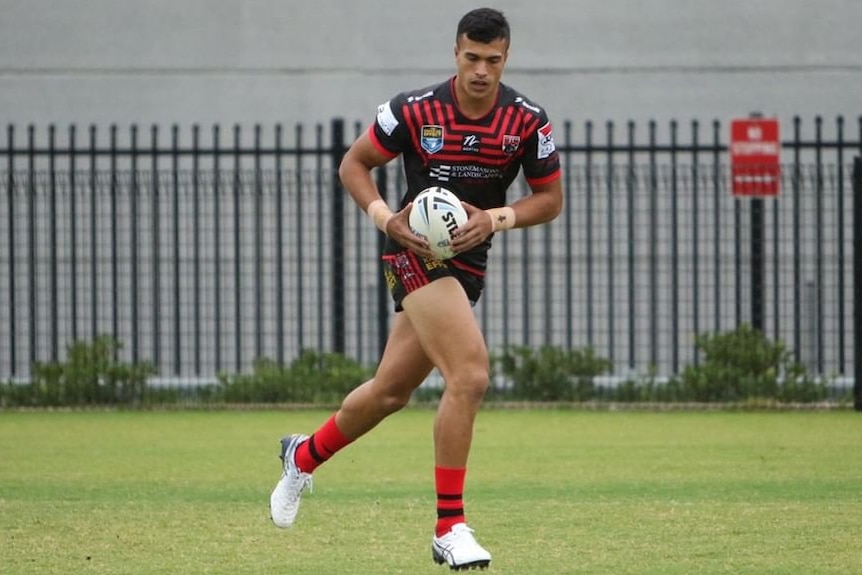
[(406, 272)]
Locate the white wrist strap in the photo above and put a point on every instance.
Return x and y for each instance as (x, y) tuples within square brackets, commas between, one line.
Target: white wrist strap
[(379, 213), (501, 218)]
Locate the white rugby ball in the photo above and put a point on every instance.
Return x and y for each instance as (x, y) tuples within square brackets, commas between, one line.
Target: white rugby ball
[(435, 215)]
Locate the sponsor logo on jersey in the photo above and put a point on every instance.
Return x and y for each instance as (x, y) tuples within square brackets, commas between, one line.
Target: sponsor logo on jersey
[(445, 173), (403, 267), (390, 278), (431, 138), (441, 172), (525, 104), (386, 119), (470, 143), (422, 97), (511, 143), (546, 142)]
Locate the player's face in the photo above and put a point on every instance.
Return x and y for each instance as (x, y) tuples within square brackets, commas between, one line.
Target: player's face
[(480, 66)]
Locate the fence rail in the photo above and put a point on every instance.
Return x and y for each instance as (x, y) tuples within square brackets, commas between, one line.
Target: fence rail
[(202, 254)]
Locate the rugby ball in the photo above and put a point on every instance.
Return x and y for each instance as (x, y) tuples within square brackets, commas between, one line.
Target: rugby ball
[(435, 215)]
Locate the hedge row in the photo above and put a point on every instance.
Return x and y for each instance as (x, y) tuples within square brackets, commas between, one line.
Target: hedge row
[(737, 366)]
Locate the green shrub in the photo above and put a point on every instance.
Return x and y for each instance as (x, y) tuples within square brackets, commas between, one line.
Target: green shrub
[(743, 364), (550, 373), (313, 377), (738, 365), (90, 375), (14, 395)]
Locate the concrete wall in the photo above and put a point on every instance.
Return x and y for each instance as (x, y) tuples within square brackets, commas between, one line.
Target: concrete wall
[(249, 61)]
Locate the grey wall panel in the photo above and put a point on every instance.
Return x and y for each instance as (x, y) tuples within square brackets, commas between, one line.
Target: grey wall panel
[(266, 61), (308, 100)]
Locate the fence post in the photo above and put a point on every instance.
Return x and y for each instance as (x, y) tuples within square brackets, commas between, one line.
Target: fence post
[(338, 279), (757, 259), (32, 237), (52, 235), (857, 282), (13, 303)]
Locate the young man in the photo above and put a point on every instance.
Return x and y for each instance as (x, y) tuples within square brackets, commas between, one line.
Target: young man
[(472, 135)]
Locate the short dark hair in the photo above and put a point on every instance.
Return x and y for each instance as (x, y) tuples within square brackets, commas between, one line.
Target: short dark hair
[(484, 25)]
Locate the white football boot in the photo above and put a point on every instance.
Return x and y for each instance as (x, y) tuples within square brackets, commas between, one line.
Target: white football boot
[(284, 501), (459, 549)]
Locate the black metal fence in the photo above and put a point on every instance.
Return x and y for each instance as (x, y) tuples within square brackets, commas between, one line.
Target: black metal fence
[(202, 254)]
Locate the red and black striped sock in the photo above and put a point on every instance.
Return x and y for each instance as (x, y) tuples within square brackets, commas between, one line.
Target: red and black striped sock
[(323, 444), (450, 498)]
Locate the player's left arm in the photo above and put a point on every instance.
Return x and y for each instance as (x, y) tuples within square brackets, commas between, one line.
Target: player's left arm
[(540, 207)]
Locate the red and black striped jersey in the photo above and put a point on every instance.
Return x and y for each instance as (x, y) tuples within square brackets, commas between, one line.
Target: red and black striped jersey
[(477, 159)]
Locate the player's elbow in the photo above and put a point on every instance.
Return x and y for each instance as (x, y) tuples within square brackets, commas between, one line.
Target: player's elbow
[(555, 205), (346, 167), (549, 201), (552, 206)]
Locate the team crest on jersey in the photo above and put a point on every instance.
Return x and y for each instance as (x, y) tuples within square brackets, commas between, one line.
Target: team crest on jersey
[(511, 143), (431, 138)]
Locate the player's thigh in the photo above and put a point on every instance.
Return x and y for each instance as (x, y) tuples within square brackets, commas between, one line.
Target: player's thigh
[(444, 323), (404, 364)]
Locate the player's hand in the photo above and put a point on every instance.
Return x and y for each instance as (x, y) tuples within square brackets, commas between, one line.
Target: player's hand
[(474, 232), (398, 228)]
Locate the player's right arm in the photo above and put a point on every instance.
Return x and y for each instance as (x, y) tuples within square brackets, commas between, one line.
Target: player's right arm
[(355, 173)]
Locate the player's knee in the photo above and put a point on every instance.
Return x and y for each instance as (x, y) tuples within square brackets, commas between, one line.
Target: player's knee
[(391, 393), (392, 402), (470, 384)]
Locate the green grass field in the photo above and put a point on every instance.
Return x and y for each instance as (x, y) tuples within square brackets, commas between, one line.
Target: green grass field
[(549, 492)]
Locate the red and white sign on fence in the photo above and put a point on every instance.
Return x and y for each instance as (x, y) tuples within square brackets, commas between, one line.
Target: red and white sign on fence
[(755, 157)]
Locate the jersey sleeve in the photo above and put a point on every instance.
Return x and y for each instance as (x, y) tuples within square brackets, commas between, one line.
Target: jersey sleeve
[(388, 133), (541, 162)]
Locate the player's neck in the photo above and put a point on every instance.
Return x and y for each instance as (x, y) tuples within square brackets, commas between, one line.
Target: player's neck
[(474, 108)]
